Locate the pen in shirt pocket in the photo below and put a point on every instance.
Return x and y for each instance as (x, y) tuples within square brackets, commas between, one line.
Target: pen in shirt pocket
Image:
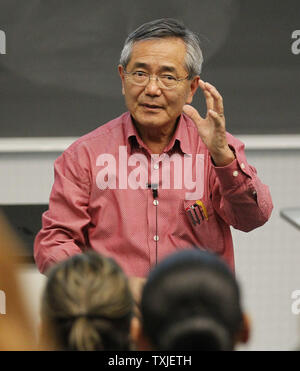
[(197, 212)]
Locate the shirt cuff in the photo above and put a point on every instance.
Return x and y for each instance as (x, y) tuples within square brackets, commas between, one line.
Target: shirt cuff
[(234, 174)]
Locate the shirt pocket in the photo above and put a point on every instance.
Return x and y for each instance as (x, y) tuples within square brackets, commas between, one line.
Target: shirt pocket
[(198, 212), (202, 225)]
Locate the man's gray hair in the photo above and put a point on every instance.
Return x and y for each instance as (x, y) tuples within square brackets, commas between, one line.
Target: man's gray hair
[(166, 27)]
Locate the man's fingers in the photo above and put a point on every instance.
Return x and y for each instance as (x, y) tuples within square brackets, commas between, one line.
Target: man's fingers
[(213, 90), (217, 118), (209, 100), (217, 97), (208, 97), (202, 84), (192, 113)]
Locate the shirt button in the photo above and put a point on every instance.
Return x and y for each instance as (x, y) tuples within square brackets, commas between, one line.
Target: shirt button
[(155, 202), (156, 238), (156, 166), (235, 173), (243, 166)]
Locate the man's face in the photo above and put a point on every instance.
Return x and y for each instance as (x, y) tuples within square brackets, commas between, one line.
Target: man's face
[(150, 105)]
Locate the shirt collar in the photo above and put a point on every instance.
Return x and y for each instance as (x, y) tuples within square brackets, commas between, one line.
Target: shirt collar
[(180, 139)]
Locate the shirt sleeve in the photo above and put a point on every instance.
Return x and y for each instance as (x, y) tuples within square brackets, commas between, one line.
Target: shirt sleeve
[(64, 223), (238, 195)]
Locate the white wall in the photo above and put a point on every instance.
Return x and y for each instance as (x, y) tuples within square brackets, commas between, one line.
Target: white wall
[(267, 259)]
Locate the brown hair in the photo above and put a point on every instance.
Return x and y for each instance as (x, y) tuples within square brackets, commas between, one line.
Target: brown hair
[(16, 327), (88, 304)]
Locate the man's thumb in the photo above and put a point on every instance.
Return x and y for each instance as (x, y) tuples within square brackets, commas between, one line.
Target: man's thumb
[(191, 112)]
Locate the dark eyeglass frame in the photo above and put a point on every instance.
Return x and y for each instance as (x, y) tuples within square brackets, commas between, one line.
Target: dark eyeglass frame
[(156, 77)]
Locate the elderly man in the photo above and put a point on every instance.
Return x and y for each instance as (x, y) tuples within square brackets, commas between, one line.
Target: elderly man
[(159, 177)]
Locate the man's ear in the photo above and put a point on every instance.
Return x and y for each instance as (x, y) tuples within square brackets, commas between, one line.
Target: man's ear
[(139, 340), (193, 88), (121, 73)]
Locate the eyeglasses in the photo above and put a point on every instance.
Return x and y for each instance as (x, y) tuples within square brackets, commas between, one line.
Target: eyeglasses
[(164, 81)]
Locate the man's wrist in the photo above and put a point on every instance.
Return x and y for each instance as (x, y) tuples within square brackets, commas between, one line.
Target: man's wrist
[(223, 158)]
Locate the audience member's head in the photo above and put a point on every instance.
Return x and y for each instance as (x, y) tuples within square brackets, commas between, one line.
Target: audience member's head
[(191, 301), (87, 304)]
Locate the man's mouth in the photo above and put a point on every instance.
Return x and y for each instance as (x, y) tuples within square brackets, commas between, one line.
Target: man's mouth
[(151, 106)]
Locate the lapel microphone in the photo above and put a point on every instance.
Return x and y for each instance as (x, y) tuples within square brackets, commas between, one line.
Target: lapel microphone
[(154, 188)]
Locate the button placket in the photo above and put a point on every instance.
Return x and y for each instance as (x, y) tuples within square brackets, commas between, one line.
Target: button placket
[(156, 166)]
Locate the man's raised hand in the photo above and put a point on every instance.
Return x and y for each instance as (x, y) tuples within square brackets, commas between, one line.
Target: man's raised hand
[(212, 128)]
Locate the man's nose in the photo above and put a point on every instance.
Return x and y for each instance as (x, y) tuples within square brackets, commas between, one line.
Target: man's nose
[(152, 87)]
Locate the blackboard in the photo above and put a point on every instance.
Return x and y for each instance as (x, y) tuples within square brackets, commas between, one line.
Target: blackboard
[(25, 221), (58, 76)]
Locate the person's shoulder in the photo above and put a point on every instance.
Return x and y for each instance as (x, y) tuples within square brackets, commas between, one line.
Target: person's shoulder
[(102, 135)]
